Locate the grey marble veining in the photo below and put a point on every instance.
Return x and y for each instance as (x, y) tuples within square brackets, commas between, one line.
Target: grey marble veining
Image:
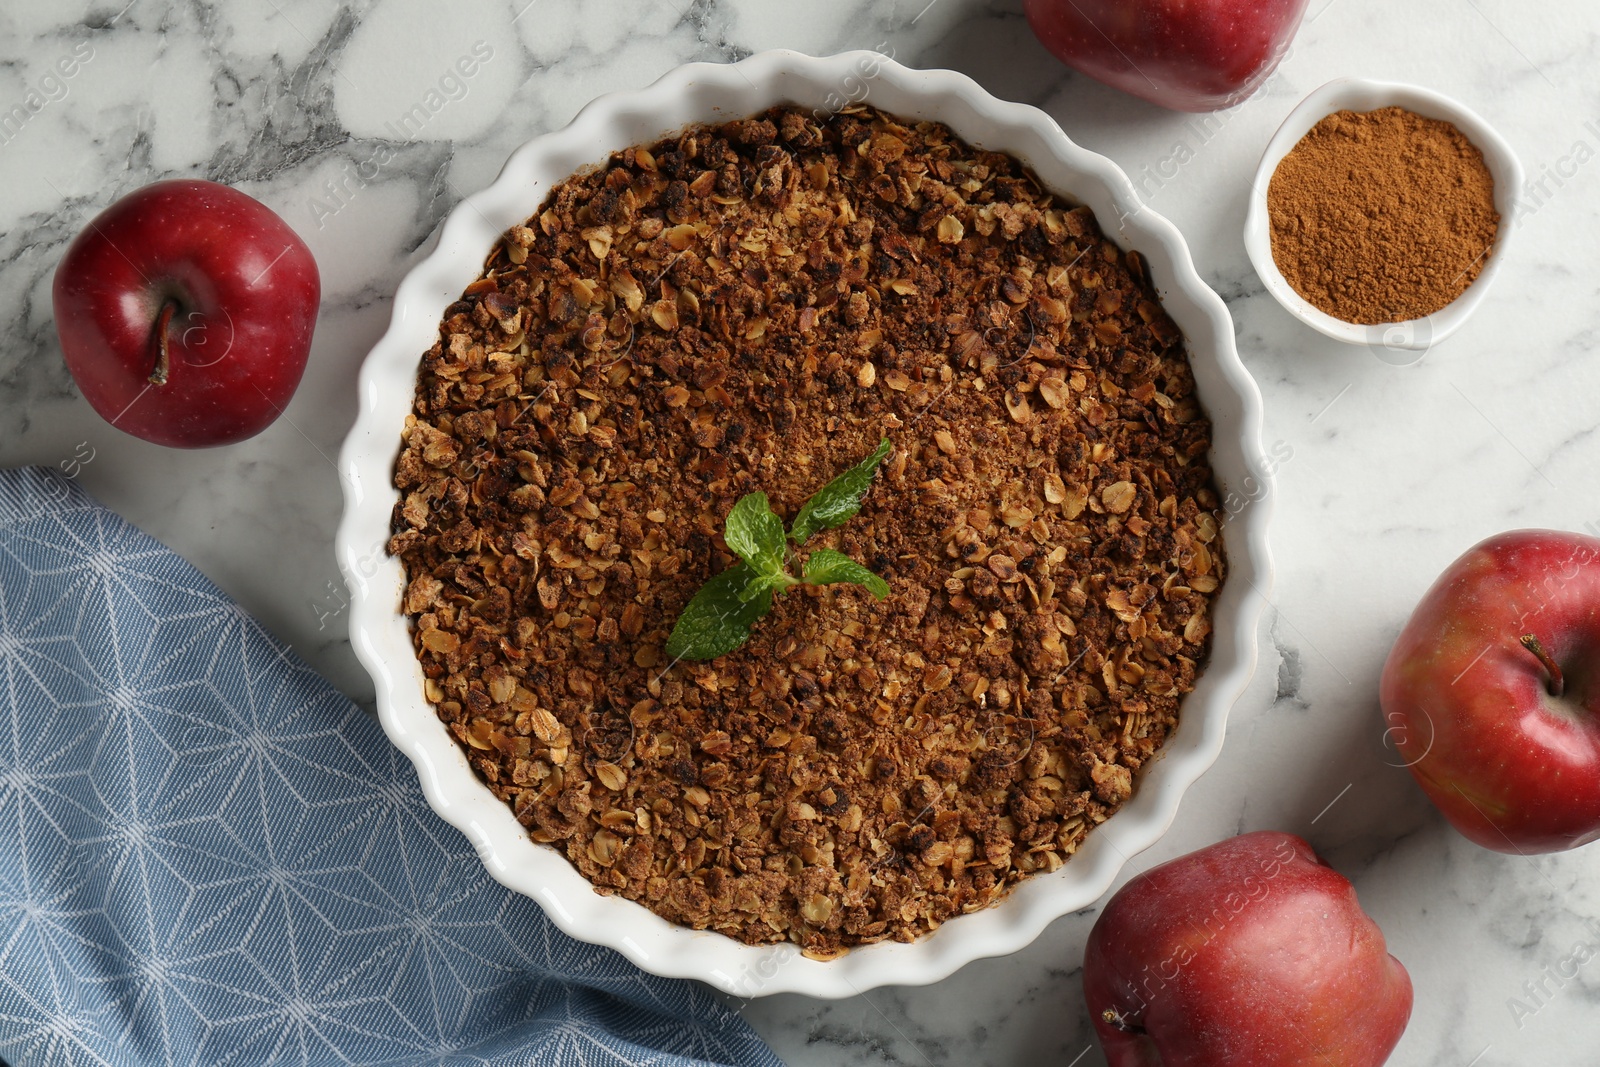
[(1392, 471)]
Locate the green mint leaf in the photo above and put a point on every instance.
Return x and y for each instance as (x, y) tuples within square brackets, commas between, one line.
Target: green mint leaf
[(756, 534), (838, 501), (826, 567), (717, 620)]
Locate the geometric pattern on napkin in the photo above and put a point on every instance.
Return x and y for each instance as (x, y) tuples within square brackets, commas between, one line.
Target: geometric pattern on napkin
[(208, 856)]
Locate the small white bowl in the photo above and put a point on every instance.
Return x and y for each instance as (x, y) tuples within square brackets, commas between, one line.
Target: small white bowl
[(1395, 342), (380, 633)]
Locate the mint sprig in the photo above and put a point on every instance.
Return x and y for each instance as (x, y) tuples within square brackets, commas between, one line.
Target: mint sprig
[(719, 618)]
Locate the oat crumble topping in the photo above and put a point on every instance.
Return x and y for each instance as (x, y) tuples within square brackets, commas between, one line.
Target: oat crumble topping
[(752, 306)]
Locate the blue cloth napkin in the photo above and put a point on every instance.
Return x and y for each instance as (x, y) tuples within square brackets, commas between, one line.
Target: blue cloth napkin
[(208, 856)]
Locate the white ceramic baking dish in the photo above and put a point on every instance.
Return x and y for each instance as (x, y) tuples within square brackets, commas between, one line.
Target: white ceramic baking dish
[(703, 92)]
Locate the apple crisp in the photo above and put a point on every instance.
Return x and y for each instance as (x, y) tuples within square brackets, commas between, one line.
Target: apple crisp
[(752, 306)]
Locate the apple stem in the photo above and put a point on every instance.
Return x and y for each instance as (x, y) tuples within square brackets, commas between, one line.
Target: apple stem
[(158, 341), (1119, 1021), (1558, 682)]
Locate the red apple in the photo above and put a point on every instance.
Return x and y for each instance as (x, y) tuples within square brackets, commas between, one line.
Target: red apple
[(1189, 55), (1250, 952), (1492, 692), (185, 313)]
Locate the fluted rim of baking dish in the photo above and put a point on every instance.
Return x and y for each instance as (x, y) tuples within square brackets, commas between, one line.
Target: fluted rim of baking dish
[(705, 92)]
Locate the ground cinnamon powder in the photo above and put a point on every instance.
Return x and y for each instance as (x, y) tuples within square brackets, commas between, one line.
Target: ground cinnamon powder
[(1382, 216)]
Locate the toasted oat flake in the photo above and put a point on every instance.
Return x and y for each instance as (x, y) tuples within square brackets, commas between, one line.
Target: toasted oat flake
[(753, 306), (1118, 497), (1053, 391)]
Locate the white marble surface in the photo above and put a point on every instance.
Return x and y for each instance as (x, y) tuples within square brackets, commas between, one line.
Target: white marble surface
[(1395, 470)]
